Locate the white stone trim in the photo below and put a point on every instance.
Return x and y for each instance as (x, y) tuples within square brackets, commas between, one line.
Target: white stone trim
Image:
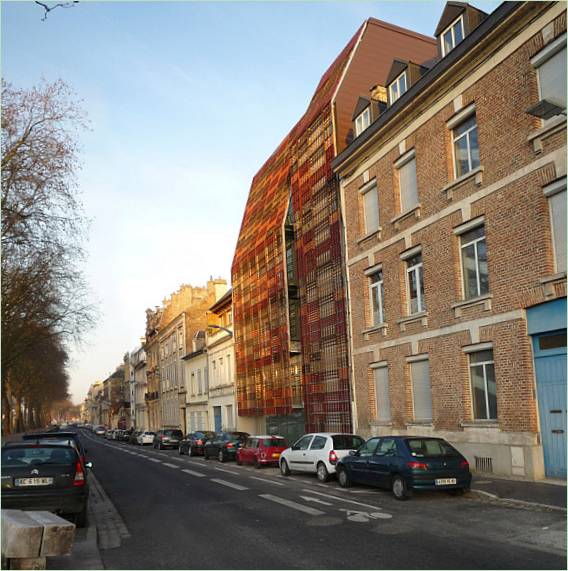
[(554, 187), (378, 365), (412, 252), (548, 51), (477, 347), (368, 186), (416, 358), (406, 158), (366, 177), (461, 116), (373, 269), (470, 225)]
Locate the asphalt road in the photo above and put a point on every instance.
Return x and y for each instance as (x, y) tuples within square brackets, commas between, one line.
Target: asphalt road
[(188, 513)]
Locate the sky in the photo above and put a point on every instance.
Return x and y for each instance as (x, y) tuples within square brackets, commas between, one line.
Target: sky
[(186, 100)]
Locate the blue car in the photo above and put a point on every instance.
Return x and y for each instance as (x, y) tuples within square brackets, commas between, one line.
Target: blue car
[(404, 464)]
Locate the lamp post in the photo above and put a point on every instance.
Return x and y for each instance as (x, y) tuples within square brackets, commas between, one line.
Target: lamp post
[(220, 327)]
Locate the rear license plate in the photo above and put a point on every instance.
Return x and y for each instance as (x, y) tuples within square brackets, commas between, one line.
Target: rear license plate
[(276, 455), (33, 481), (446, 481)]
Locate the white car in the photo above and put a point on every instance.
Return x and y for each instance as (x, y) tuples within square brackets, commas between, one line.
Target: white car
[(100, 430), (145, 437), (318, 453)]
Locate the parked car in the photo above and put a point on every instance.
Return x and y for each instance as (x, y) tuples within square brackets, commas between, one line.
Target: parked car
[(46, 475), (59, 436), (224, 445), (133, 438), (406, 463), (109, 435), (146, 437), (193, 443), (261, 451), (100, 430), (168, 438), (318, 453)]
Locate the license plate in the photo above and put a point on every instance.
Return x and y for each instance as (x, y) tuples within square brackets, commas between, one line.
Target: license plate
[(33, 481), (276, 455), (446, 481)]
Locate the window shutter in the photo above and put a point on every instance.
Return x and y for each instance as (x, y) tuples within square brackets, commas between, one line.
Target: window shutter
[(408, 189), (422, 395), (382, 392)]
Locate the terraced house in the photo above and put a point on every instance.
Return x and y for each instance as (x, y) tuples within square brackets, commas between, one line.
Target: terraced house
[(287, 273), (454, 202)]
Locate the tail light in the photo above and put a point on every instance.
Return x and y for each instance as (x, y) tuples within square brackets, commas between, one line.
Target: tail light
[(332, 457), (199, 442), (263, 454), (230, 445), (417, 465), (79, 475), (464, 465)]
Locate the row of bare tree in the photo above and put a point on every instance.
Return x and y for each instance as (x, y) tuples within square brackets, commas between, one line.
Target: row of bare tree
[(45, 300)]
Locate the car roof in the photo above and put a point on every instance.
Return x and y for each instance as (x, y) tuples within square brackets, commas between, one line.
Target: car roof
[(266, 436), (43, 442), (330, 434), (54, 434)]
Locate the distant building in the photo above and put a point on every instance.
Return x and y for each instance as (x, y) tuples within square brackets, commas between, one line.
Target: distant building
[(196, 393)]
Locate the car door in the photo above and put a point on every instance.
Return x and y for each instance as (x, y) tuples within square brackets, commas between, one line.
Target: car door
[(315, 452), (359, 461), (297, 456), (382, 462)]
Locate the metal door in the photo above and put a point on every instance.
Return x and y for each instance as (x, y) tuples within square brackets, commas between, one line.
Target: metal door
[(550, 368), (217, 418)]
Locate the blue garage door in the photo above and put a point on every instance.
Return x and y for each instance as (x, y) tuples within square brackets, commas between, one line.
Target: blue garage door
[(550, 365), (217, 418)]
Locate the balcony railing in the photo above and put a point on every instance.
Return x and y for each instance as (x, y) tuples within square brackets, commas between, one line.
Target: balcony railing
[(151, 396)]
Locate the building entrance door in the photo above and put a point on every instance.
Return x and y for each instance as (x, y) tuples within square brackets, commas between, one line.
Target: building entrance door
[(550, 369), (217, 417)]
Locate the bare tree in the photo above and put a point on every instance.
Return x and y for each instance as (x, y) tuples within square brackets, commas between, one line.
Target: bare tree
[(44, 294), (48, 8)]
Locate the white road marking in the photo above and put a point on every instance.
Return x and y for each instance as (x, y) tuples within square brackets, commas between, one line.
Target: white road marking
[(170, 465), (155, 460), (228, 484), (364, 517), (192, 473), (228, 471), (308, 499), (291, 504), (329, 497), (266, 480)]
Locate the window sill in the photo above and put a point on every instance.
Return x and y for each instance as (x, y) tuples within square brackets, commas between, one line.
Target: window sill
[(404, 215), (381, 328), (421, 423), (484, 300), (553, 126), (476, 174), (548, 283), (376, 233), (380, 423), (480, 424), (415, 317)]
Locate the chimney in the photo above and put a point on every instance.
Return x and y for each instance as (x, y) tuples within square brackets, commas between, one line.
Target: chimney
[(216, 289)]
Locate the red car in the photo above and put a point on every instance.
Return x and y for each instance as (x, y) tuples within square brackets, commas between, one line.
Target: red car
[(261, 451)]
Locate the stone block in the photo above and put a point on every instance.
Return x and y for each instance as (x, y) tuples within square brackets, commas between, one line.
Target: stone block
[(21, 535), (58, 534)]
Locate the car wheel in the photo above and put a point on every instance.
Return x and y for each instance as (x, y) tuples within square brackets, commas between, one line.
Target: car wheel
[(322, 473), (180, 451), (190, 451), (284, 470), (400, 489), (81, 518), (458, 491), (257, 464), (239, 461), (205, 455), (222, 456), (343, 477)]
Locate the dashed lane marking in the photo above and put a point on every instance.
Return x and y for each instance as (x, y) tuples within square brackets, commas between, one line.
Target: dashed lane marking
[(193, 473), (228, 471), (169, 465), (332, 497), (228, 484), (267, 480), (155, 460), (291, 504)]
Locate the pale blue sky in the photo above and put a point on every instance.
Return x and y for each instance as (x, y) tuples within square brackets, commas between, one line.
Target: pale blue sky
[(186, 101)]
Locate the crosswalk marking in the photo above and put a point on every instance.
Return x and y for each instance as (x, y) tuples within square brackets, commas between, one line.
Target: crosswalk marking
[(228, 471), (193, 473), (332, 497), (170, 465), (291, 504), (155, 460), (267, 480), (228, 484)]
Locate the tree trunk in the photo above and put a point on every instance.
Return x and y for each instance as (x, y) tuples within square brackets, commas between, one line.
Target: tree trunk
[(19, 425), (6, 428)]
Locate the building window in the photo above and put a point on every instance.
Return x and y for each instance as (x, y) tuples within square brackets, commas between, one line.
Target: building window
[(550, 67), (466, 147), (483, 387), (407, 185), (415, 278), (474, 263), (199, 385), (230, 416), (397, 87), (381, 376), (192, 383), (452, 36), (377, 297), (362, 121), (556, 194), (421, 393), (371, 209)]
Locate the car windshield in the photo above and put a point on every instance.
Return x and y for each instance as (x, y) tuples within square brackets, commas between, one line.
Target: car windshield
[(37, 455), (176, 433), (347, 442), (425, 447), (274, 442), (150, 433)]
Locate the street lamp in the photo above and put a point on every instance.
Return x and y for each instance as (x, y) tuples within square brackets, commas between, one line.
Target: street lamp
[(220, 327)]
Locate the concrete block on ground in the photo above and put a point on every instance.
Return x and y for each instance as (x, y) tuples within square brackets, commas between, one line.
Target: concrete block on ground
[(28, 563), (58, 534), (21, 535)]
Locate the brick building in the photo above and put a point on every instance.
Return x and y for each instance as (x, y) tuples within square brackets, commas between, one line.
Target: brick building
[(287, 273), (454, 201)]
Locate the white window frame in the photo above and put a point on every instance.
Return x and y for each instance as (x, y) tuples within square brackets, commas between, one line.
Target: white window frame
[(452, 27), (483, 364), (465, 134), (556, 187), (382, 366), (379, 286), (547, 53), (412, 360), (397, 82), (416, 270), (402, 162), (370, 187), (362, 121), (478, 223)]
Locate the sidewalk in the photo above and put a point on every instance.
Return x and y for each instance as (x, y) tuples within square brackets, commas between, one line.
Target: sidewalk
[(85, 553), (542, 494)]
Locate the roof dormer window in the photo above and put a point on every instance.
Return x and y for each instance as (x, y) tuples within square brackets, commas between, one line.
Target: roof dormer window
[(362, 121), (397, 87), (452, 36)]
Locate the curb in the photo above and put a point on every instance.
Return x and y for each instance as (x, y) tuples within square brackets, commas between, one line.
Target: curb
[(518, 502)]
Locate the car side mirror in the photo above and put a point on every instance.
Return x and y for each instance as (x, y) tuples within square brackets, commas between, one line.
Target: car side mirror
[(295, 448), (353, 453), (89, 465)]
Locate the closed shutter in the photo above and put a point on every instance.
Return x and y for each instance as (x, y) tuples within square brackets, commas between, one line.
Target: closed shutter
[(382, 392), (422, 395)]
